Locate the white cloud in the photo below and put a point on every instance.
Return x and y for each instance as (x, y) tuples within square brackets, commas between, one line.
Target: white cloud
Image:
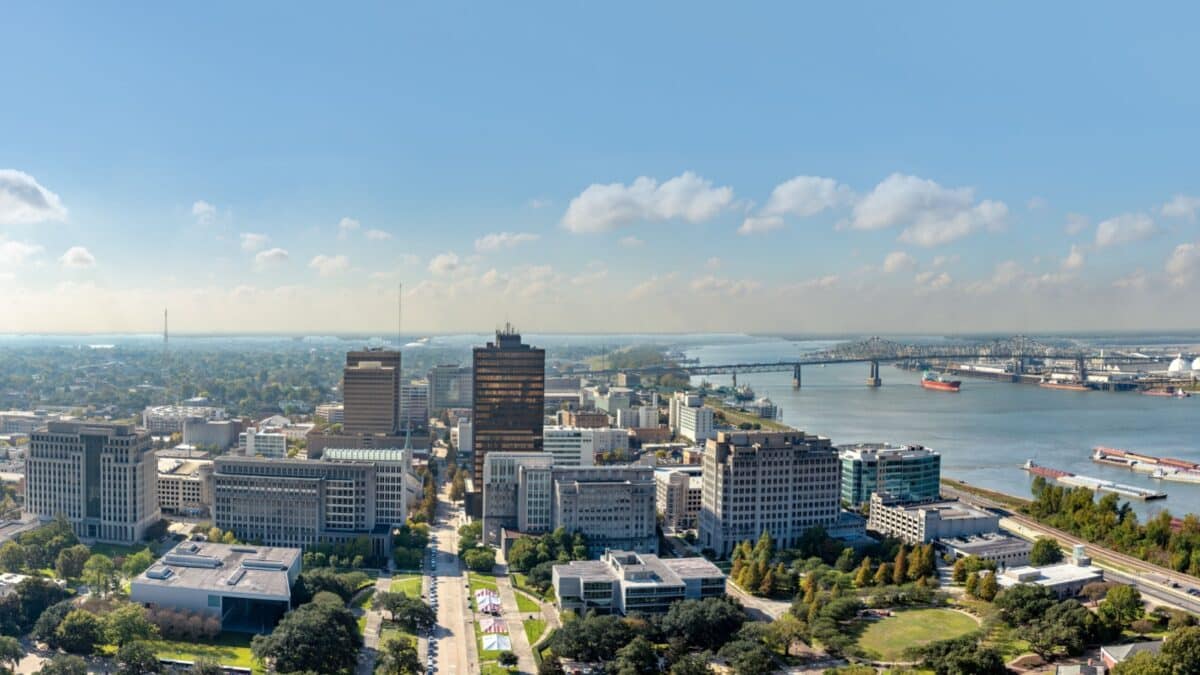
[(1183, 264), (1074, 259), (14, 253), (1137, 280), (932, 280), (933, 214), (252, 241), (23, 201), (378, 235), (760, 224), (1181, 206), (329, 265), (346, 226), (203, 212), (1076, 223), (271, 256), (816, 283), (630, 242), (687, 197), (898, 260), (719, 285), (444, 263), (77, 257), (805, 196), (536, 203), (1036, 203), (499, 240), (1124, 229)]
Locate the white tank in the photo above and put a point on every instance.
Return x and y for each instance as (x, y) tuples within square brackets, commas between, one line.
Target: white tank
[(1196, 363), (1179, 365)]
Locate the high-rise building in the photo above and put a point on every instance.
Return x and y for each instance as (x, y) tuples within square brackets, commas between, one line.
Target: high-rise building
[(185, 486), (258, 443), (509, 391), (572, 446), (449, 387), (696, 423), (781, 482), (371, 392), (516, 493), (681, 399), (678, 495), (414, 405), (101, 476), (906, 474), (392, 466)]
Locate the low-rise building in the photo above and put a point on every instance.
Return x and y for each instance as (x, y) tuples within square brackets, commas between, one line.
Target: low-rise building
[(247, 588), (696, 423), (185, 486), (255, 443), (162, 420), (1066, 580), (677, 495), (221, 434), (623, 581), (924, 523), (578, 446), (907, 473), (332, 413), (583, 419), (1001, 549), (1114, 654)]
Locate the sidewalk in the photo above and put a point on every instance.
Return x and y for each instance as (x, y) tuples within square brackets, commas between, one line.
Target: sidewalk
[(514, 621)]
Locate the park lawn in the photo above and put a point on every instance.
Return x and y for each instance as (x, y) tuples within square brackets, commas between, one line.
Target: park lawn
[(534, 629), (230, 649), (480, 580), (389, 631), (493, 668), (886, 640), (117, 550), (364, 600), (526, 603), (408, 584)]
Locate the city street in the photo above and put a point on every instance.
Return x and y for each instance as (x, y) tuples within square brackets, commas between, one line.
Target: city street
[(454, 635)]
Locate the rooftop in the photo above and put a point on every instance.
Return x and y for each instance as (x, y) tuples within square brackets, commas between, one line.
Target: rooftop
[(945, 510), (256, 571), (987, 544), (640, 568), (1119, 653), (887, 451), (179, 466), (364, 454), (1050, 575)]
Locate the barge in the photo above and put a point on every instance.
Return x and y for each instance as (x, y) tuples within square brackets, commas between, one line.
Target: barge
[(1097, 484)]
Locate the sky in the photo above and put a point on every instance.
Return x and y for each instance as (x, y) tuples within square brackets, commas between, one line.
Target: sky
[(599, 167)]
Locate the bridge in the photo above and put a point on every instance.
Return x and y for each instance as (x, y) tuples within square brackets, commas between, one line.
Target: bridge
[(873, 351)]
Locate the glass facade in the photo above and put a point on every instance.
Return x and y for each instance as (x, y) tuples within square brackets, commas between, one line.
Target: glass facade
[(508, 379), (908, 474)]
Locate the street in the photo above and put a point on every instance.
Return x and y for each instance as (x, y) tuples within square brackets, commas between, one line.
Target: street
[(454, 635)]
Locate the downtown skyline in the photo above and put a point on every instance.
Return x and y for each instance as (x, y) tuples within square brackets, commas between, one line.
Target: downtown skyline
[(938, 168)]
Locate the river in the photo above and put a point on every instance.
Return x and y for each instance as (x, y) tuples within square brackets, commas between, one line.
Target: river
[(985, 431)]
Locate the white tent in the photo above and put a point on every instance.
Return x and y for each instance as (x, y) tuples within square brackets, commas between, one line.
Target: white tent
[(497, 643)]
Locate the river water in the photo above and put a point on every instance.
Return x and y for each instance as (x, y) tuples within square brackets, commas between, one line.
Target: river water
[(985, 431)]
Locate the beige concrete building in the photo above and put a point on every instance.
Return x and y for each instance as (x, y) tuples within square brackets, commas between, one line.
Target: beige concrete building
[(185, 486), (923, 523), (678, 491), (625, 581), (371, 392), (101, 476), (613, 506), (782, 482)]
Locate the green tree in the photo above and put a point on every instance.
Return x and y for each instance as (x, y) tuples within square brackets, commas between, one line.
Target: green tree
[(1122, 605), (313, 637), (64, 664), (1181, 650), (480, 559), (12, 556), (46, 627), (748, 658), (1143, 663), (204, 666), (637, 658), (988, 587), (1046, 551), (137, 658), (399, 657), (137, 563), (972, 585), (10, 652), (704, 624), (692, 664), (507, 659), (100, 574), (80, 632), (70, 561), (128, 623)]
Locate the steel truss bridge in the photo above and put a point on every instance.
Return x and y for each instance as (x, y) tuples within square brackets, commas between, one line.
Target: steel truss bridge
[(1018, 349)]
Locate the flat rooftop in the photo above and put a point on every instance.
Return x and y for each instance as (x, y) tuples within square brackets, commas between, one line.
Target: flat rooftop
[(250, 571), (1050, 575), (627, 567), (946, 510), (988, 544), (364, 454), (181, 466), (887, 451)]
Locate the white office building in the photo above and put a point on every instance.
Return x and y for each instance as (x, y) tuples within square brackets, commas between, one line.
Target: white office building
[(574, 446), (624, 581), (255, 443), (678, 495), (392, 465), (680, 399), (162, 420), (924, 523), (696, 423)]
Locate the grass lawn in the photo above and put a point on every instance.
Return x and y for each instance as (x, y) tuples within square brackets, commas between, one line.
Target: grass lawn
[(493, 668), (527, 604), (534, 629), (363, 601), (389, 631), (484, 654), (886, 640), (117, 550), (479, 580), (230, 649), (408, 584)]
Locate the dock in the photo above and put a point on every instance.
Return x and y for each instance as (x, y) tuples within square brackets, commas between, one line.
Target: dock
[(1099, 484)]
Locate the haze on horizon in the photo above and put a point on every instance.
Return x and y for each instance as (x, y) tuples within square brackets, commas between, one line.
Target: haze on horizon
[(599, 168)]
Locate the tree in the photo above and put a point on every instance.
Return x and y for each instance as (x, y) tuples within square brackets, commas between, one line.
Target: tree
[(205, 667), (1046, 551), (637, 658), (972, 585), (99, 573), (507, 659), (1181, 650), (137, 658), (399, 657), (1143, 626), (64, 664), (44, 629), (128, 623), (411, 613), (80, 632), (70, 561), (961, 656), (313, 637), (704, 624), (10, 652), (593, 637), (1143, 663), (748, 658), (1021, 604), (34, 595), (883, 575), (480, 559), (550, 665), (137, 563), (692, 664), (1122, 605), (12, 556), (988, 587)]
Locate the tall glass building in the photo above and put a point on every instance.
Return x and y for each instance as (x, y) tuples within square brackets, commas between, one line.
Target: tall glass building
[(908, 473), (509, 381)]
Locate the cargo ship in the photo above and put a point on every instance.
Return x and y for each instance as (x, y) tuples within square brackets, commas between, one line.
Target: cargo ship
[(931, 381), (1161, 468), (1097, 484), (1065, 385), (1166, 393)]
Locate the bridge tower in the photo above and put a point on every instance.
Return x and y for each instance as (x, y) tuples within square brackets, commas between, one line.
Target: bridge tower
[(796, 376), (735, 379), (873, 379)]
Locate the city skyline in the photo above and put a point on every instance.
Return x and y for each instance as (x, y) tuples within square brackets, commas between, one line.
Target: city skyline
[(806, 170)]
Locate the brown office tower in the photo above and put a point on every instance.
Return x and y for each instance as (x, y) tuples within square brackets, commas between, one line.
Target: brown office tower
[(509, 394), (371, 392)]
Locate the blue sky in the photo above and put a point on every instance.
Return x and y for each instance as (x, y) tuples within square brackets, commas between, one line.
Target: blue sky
[(644, 166)]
